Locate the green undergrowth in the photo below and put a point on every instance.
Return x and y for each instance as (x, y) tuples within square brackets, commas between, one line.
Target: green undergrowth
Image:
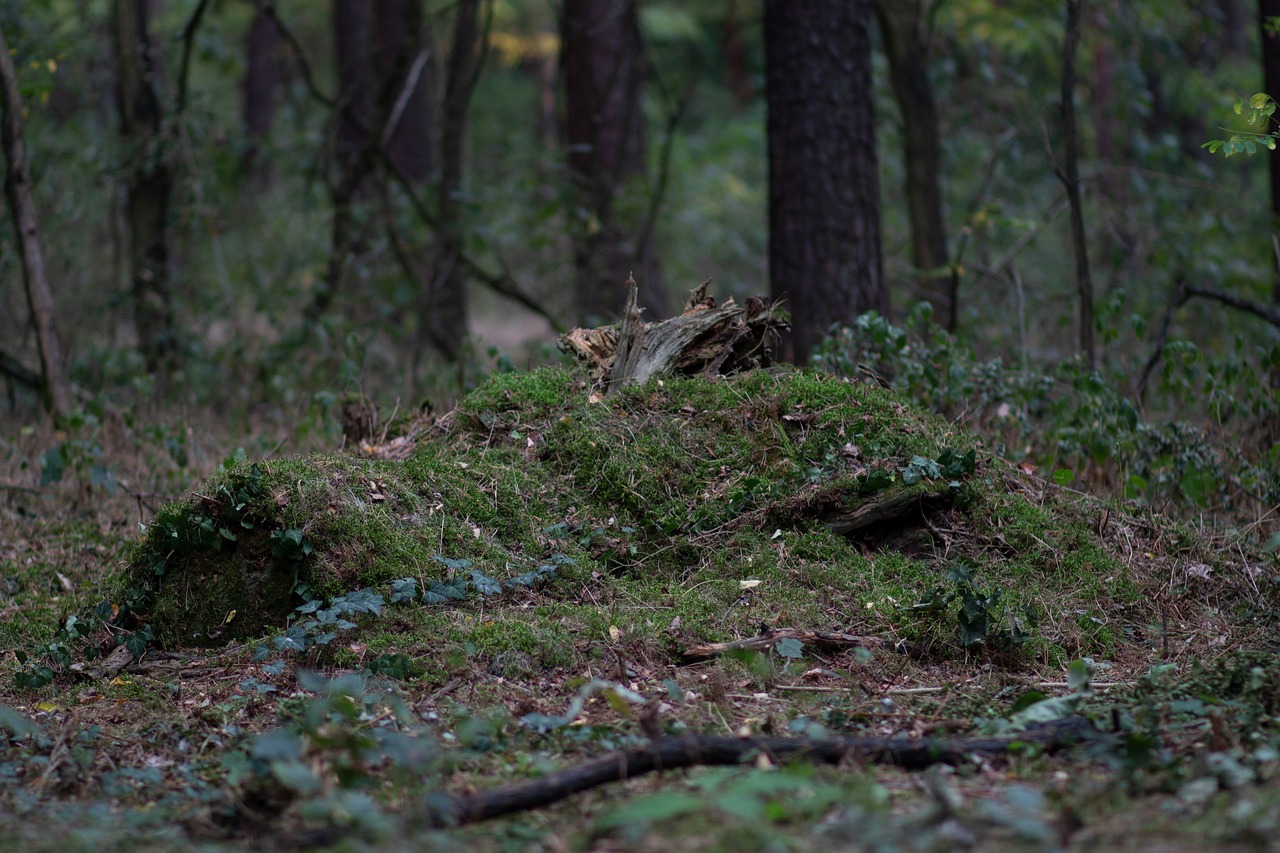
[(541, 516)]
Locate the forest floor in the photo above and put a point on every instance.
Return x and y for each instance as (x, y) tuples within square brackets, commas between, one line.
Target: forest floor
[(1159, 634)]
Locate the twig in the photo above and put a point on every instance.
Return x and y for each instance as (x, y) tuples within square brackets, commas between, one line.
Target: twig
[(1178, 299), (1257, 309), (299, 56), (188, 44)]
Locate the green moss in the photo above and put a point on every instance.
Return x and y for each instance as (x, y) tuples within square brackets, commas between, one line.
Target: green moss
[(681, 502)]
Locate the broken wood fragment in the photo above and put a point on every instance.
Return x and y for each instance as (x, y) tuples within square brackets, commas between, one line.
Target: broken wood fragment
[(704, 340), (890, 506)]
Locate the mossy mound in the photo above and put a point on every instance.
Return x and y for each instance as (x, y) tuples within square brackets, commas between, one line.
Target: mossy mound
[(686, 509)]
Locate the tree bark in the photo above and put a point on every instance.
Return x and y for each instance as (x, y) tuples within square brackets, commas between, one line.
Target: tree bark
[(410, 144), (904, 26), (149, 185), (1070, 176), (444, 314), (1270, 32), (355, 76), (365, 123), (736, 72), (604, 135), (824, 195), (54, 387), (260, 84)]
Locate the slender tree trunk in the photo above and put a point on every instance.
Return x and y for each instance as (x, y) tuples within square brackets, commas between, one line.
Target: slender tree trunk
[(903, 24), (365, 123), (1269, 28), (410, 144), (1235, 26), (604, 135), (445, 314), (55, 389), (1070, 176), (260, 84), (824, 193), (737, 75), (355, 76), (149, 187)]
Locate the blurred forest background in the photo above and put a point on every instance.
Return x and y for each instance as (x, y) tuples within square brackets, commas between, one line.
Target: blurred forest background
[(253, 213)]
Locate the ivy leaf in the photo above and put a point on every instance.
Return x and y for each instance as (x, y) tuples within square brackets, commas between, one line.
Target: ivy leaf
[(484, 584), (404, 590), (790, 647)]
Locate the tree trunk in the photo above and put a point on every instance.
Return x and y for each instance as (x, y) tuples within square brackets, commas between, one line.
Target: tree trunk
[(355, 76), (410, 144), (149, 187), (824, 194), (604, 135), (1270, 31), (1070, 177), (904, 26), (55, 389), (365, 123), (737, 75), (261, 81), (445, 305), (1235, 27)]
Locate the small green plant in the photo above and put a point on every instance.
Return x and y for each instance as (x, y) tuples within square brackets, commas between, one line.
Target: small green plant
[(322, 624), (464, 578), (982, 619)]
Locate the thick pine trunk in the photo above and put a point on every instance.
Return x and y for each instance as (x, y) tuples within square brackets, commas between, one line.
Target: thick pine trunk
[(824, 194)]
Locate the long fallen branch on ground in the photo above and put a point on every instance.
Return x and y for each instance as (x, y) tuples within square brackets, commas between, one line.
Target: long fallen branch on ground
[(770, 636), (673, 753)]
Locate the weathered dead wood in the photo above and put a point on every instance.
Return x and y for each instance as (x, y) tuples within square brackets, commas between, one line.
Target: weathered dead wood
[(890, 506), (705, 339), (672, 753), (770, 636)]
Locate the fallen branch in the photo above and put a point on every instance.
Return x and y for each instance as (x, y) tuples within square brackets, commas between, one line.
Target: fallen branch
[(673, 753), (770, 636)]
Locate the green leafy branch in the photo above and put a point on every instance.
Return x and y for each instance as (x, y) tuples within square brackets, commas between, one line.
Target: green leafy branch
[(1260, 110)]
